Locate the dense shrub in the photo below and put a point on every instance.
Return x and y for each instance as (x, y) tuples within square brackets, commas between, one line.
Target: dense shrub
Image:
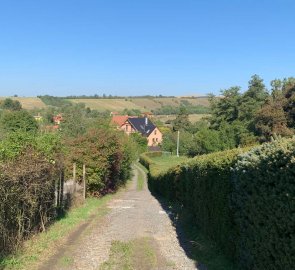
[(107, 155), (29, 168), (203, 186), (243, 201), (264, 203)]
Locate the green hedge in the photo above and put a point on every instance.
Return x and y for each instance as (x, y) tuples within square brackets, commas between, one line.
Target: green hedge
[(203, 186), (243, 200), (145, 158), (264, 203)]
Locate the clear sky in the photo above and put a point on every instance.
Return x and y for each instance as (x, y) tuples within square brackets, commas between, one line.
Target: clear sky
[(125, 47)]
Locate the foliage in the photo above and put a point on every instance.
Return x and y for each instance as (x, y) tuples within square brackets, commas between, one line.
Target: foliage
[(248, 211), (54, 101), (9, 104), (263, 199), (203, 186), (140, 142), (107, 156), (191, 109), (12, 121), (181, 121), (27, 197), (16, 143)]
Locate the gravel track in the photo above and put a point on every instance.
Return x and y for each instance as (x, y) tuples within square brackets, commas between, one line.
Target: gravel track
[(132, 214)]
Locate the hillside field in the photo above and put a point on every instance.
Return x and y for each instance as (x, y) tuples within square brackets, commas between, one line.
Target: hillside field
[(28, 103), (142, 104)]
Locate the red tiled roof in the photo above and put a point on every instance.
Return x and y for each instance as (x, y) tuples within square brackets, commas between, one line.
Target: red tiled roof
[(119, 119)]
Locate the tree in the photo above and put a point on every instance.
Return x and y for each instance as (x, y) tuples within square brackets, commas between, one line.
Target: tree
[(289, 106), (181, 121), (225, 109), (12, 105), (271, 119), (252, 101)]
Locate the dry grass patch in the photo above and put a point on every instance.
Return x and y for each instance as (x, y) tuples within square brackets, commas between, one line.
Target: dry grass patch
[(28, 103)]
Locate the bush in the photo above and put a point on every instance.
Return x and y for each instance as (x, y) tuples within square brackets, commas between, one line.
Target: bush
[(263, 199), (29, 168), (145, 158), (107, 156), (203, 186), (242, 200), (27, 197)]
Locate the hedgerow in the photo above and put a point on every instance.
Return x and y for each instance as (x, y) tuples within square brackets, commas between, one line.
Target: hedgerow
[(264, 204), (29, 168), (145, 158), (203, 186), (242, 199)]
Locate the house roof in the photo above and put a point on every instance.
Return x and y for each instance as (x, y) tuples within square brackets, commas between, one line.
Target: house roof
[(139, 124), (119, 119)]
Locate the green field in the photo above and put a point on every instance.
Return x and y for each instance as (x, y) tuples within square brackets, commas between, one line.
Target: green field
[(192, 117), (164, 162)]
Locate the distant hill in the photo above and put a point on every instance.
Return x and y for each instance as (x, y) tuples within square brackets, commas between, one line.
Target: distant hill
[(143, 104), (29, 103)]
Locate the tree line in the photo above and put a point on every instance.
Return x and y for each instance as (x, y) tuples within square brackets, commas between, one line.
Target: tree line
[(238, 118)]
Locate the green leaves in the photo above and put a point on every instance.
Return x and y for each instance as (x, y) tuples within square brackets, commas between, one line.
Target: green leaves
[(242, 199)]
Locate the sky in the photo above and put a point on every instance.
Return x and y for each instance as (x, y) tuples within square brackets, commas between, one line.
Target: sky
[(142, 47)]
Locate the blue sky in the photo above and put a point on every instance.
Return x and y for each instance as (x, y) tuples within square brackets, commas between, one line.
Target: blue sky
[(168, 47)]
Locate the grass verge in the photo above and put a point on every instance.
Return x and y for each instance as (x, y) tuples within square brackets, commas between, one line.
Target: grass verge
[(42, 245), (141, 176)]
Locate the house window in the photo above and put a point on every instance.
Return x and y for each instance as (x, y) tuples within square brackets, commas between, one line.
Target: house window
[(155, 132), (156, 139), (126, 128)]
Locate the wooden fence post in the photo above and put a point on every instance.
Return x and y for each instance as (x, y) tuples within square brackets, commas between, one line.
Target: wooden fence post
[(62, 182), (74, 177), (84, 181)]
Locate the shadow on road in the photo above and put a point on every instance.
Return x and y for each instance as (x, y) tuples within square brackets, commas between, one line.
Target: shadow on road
[(182, 222)]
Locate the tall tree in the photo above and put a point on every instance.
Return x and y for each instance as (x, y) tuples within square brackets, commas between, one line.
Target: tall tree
[(252, 101), (181, 122), (226, 108)]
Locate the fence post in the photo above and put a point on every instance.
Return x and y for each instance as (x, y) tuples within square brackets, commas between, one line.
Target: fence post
[(62, 182), (74, 177), (84, 181)]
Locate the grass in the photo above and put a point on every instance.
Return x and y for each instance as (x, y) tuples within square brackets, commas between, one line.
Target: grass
[(163, 163), (44, 244), (140, 253), (141, 176), (142, 104), (192, 117), (140, 181), (29, 103)]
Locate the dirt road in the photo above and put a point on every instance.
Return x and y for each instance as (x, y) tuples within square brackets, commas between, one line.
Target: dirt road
[(136, 233)]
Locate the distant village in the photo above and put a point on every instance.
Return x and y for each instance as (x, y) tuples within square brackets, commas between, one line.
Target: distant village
[(129, 124)]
